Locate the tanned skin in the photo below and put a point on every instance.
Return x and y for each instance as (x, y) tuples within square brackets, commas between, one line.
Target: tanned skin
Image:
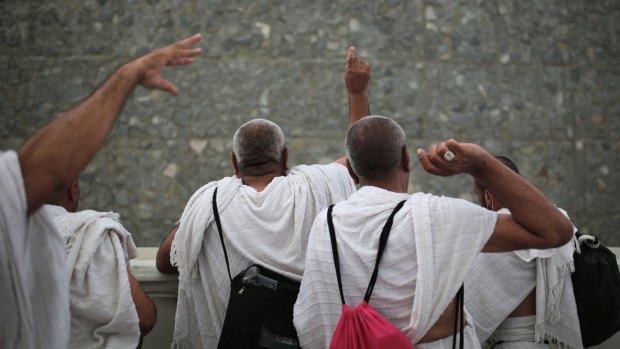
[(53, 157)]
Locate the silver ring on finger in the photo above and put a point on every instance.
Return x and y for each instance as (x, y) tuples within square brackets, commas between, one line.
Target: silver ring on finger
[(448, 156)]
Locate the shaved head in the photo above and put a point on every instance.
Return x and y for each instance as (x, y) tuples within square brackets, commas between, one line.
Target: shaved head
[(258, 142), (374, 147)]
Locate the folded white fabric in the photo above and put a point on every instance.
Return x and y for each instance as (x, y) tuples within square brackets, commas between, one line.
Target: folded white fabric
[(103, 314)]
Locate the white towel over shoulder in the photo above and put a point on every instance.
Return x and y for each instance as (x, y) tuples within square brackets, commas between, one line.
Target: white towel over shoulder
[(98, 247)]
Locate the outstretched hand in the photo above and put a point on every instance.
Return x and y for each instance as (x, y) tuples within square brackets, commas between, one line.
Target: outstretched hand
[(149, 67), (467, 158), (357, 73)]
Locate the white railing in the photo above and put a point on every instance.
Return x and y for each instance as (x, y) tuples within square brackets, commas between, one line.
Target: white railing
[(163, 290)]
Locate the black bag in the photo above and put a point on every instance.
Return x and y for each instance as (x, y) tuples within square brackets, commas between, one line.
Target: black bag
[(596, 283), (260, 306)]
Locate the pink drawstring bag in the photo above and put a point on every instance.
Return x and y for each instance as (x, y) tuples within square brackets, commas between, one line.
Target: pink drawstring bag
[(361, 326)]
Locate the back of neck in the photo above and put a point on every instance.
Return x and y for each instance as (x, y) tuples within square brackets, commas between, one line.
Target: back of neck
[(389, 185), (258, 182)]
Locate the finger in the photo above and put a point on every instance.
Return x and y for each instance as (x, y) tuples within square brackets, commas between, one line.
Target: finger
[(432, 154), (424, 159), (189, 53), (191, 41), (350, 56), (442, 149), (453, 144), (351, 52), (180, 61), (168, 86), (436, 158)]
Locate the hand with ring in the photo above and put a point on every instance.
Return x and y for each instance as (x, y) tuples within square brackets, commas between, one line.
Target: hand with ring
[(451, 157)]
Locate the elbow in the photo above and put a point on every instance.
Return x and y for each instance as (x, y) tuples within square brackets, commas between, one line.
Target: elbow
[(565, 232), (162, 263), (562, 233)]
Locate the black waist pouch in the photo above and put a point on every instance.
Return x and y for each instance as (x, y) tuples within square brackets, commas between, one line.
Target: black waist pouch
[(260, 311)]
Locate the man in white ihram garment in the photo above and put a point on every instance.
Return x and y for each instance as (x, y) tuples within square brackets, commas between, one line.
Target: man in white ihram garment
[(523, 299), (109, 308), (34, 312), (266, 211), (433, 242)]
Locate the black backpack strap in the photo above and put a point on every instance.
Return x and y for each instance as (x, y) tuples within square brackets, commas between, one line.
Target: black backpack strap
[(332, 237), (219, 229), (385, 233), (458, 316), (382, 243)]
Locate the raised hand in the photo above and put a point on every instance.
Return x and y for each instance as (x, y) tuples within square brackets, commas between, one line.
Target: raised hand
[(357, 73), (148, 68), (467, 158), (49, 160)]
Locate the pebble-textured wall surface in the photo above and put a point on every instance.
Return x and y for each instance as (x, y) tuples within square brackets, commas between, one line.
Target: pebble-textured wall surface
[(537, 81)]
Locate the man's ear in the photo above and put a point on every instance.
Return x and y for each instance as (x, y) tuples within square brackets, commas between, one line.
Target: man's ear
[(405, 161), (74, 192), (488, 199), (285, 159), (233, 160), (355, 178)]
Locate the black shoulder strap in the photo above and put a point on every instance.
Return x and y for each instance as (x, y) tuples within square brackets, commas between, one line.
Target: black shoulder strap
[(332, 237), (219, 229), (382, 243), (458, 316)]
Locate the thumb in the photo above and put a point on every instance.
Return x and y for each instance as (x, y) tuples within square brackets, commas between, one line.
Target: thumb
[(454, 146)]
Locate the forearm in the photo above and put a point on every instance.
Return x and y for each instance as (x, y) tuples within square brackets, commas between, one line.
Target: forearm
[(526, 203), (54, 157), (145, 307), (356, 79), (358, 106)]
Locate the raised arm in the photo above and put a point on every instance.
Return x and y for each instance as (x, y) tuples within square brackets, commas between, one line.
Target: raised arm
[(356, 78), (56, 154), (535, 221)]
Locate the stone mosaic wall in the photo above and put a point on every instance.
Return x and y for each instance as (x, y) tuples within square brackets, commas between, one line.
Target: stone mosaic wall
[(535, 80)]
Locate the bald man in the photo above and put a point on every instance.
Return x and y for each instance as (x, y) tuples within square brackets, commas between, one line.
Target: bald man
[(432, 244)]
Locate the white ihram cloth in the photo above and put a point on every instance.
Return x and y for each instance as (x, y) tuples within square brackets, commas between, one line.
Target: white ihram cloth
[(515, 333), (430, 251), (34, 291), (501, 281), (98, 248), (269, 228)]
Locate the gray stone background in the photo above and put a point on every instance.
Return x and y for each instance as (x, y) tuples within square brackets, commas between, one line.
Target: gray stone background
[(535, 80)]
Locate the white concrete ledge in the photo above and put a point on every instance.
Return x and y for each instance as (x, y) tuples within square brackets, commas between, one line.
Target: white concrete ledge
[(162, 289)]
